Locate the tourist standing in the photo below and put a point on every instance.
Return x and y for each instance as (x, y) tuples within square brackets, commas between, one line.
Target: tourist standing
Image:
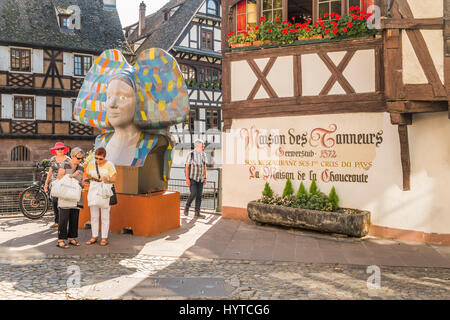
[(69, 214), (58, 161), (100, 170), (195, 172)]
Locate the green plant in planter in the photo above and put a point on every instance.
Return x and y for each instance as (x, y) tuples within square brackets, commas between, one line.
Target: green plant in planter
[(302, 190), (267, 192), (319, 201), (288, 188), (334, 199), (313, 189)]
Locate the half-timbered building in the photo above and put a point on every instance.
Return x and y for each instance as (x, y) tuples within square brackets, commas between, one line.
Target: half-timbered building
[(46, 49), (369, 116), (190, 30)]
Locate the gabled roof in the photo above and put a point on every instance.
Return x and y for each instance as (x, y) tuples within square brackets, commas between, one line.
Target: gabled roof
[(34, 23), (163, 34)]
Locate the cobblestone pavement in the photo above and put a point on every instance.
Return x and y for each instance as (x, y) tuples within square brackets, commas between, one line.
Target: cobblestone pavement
[(122, 276)]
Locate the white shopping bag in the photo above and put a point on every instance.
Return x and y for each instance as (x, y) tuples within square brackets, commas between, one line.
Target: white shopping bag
[(99, 194), (66, 188)]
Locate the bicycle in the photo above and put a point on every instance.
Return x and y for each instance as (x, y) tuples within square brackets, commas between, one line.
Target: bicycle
[(34, 201)]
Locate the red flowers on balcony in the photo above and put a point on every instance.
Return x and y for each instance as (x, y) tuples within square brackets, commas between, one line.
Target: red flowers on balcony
[(352, 24)]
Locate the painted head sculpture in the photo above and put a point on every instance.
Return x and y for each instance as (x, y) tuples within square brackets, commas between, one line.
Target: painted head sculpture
[(133, 105)]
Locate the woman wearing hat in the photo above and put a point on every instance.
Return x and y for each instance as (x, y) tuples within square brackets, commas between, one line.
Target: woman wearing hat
[(58, 161)]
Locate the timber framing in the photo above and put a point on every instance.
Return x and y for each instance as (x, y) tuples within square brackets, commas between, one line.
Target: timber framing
[(393, 93)]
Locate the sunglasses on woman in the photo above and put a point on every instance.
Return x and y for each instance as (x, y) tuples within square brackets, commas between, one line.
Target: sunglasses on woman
[(99, 158), (80, 158)]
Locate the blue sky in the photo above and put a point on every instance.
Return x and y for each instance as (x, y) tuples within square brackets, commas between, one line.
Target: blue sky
[(129, 9)]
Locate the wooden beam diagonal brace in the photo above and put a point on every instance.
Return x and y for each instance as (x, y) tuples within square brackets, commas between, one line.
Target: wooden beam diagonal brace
[(261, 78), (337, 72)]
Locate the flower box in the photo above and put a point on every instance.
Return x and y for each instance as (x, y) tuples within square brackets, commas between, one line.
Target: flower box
[(354, 224), (241, 45), (259, 42)]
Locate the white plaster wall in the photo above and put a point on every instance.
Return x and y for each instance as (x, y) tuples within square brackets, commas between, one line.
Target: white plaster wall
[(185, 41), (413, 72), (360, 72), (314, 74), (281, 76), (40, 110), (203, 8), (194, 32), (7, 106), (4, 58), (424, 208), (37, 60), (242, 80), (427, 8), (66, 109), (68, 64)]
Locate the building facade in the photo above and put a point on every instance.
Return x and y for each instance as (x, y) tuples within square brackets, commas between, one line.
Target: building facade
[(46, 50), (367, 115), (191, 32)]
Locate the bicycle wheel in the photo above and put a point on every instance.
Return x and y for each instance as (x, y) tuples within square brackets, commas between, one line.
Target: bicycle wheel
[(33, 202)]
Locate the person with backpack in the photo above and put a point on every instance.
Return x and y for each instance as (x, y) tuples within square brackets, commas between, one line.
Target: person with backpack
[(195, 172)]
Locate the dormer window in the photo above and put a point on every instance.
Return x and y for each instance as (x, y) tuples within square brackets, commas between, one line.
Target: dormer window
[(68, 19), (211, 7), (64, 21)]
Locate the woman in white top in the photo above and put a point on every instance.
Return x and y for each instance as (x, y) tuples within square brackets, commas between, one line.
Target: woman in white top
[(108, 174)]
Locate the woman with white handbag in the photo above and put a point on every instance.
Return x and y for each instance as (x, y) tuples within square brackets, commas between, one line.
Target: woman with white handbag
[(58, 161), (69, 209), (102, 173)]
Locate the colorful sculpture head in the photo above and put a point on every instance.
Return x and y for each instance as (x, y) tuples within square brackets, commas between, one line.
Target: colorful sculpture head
[(132, 101), (161, 93)]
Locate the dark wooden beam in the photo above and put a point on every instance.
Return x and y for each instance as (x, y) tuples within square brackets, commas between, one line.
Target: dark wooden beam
[(404, 155), (416, 106), (401, 118), (411, 23)]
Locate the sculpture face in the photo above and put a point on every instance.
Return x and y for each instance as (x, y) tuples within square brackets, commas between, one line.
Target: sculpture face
[(120, 103)]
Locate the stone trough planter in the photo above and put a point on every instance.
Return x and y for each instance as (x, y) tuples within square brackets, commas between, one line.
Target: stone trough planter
[(352, 224)]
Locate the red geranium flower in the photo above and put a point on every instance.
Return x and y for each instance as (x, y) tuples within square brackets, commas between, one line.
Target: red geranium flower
[(316, 24), (326, 31), (335, 30), (326, 14), (269, 30), (277, 19), (293, 18), (308, 29), (298, 24), (338, 17), (284, 30), (344, 29), (289, 24), (350, 24), (292, 31), (262, 19), (284, 21), (332, 14)]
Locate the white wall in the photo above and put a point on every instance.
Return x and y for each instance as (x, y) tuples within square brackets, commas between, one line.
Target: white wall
[(424, 208), (422, 9)]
